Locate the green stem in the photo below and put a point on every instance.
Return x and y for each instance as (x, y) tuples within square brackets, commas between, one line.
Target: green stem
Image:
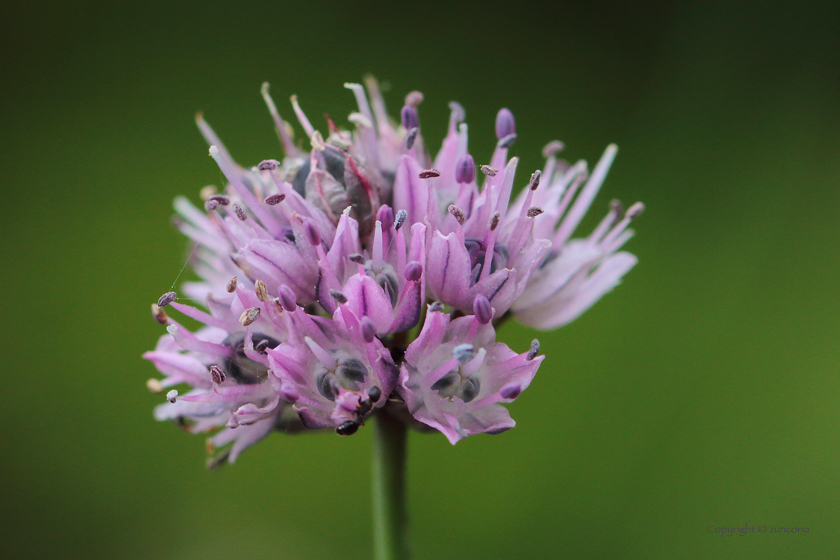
[(390, 519)]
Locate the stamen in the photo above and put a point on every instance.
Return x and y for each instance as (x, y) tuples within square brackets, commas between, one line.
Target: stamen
[(377, 248), (507, 141), (436, 307), (535, 211), (283, 129), (463, 353), (217, 375), (375, 394), (409, 117), (249, 316), (635, 211), (552, 148), (287, 298), (482, 309), (386, 216), (155, 386), (322, 355), (400, 219), (339, 297), (231, 285), (220, 198), (411, 137), (172, 396), (368, 329), (535, 180), (489, 171), (261, 291), (262, 346), (159, 315), (414, 98), (211, 205), (275, 199), (240, 212), (413, 271), (505, 124), (304, 122), (494, 221), (166, 299), (357, 258), (268, 165), (511, 391), (465, 169), (429, 173), (534, 350), (312, 233), (458, 213)]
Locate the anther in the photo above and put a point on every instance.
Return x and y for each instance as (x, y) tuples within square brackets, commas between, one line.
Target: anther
[(411, 137), (458, 213), (511, 390), (166, 299), (505, 124), (287, 298), (339, 297), (262, 346), (261, 290), (414, 98), (312, 232), (634, 211), (482, 309), (463, 353), (534, 350), (494, 221), (429, 173), (347, 428), (249, 316), (217, 374), (375, 394), (535, 211), (172, 396), (368, 329), (535, 179), (239, 211), (409, 117), (268, 165), (155, 386), (458, 112), (275, 199), (211, 205), (507, 141), (357, 258), (231, 285), (489, 171), (413, 271), (552, 148), (436, 307), (616, 207), (159, 315), (400, 219), (220, 198), (465, 169)]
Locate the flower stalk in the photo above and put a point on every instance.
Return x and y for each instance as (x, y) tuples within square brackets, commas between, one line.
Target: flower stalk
[(390, 517)]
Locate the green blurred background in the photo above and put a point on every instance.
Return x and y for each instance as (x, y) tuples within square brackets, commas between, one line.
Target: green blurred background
[(703, 391)]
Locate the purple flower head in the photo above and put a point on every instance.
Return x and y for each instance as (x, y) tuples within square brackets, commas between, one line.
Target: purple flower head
[(315, 268), (455, 374)]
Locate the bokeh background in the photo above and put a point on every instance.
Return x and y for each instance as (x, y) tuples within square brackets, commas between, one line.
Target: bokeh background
[(703, 392)]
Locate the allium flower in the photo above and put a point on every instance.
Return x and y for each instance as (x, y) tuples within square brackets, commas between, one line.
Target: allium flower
[(315, 270)]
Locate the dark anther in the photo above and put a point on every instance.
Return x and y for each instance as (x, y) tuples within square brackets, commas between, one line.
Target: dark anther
[(534, 211), (268, 165), (217, 375), (534, 350), (339, 297), (231, 285), (507, 141), (261, 346), (357, 258), (429, 173), (166, 299), (535, 179), (275, 199), (436, 306), (220, 198), (375, 394), (240, 212), (398, 221)]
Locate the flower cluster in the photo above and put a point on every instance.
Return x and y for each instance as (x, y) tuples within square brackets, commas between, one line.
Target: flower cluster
[(363, 275)]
